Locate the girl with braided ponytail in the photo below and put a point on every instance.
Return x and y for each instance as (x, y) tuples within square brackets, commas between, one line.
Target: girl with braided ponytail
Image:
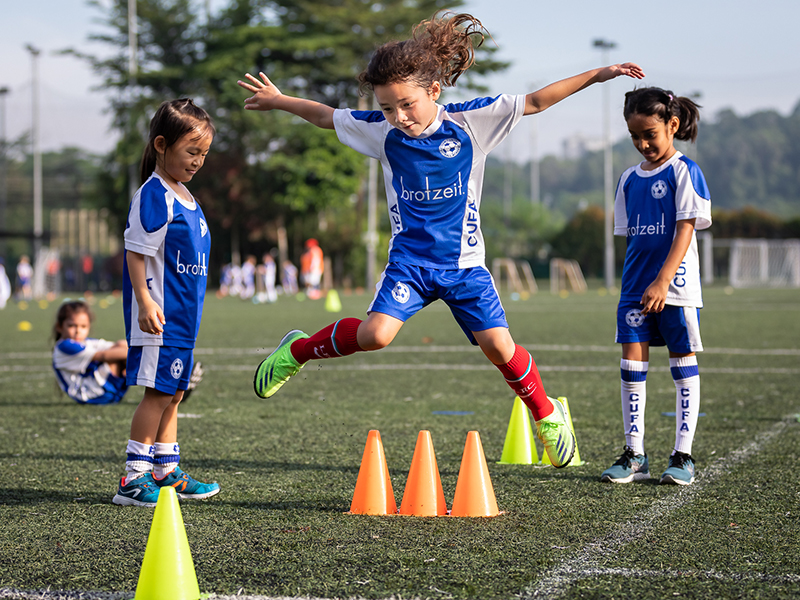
[(660, 203), (433, 157)]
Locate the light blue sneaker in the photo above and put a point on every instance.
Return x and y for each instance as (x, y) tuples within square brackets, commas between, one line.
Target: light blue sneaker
[(187, 487), (629, 467), (680, 470), (141, 491), (276, 369)]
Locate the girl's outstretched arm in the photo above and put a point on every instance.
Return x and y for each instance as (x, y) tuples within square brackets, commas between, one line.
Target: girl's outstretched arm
[(268, 97), (537, 101)]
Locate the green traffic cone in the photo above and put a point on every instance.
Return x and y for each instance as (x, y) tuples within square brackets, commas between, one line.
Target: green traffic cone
[(519, 447), (167, 569)]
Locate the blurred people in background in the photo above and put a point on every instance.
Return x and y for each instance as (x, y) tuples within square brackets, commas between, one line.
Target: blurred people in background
[(248, 278), (5, 285), (267, 272), (311, 268), (24, 278), (289, 278)]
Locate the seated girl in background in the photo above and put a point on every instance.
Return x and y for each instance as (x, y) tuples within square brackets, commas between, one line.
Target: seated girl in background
[(88, 370)]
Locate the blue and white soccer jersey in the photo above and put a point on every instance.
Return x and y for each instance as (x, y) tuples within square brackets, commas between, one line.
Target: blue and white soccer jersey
[(434, 182), (173, 236), (648, 205), (433, 188), (83, 379)]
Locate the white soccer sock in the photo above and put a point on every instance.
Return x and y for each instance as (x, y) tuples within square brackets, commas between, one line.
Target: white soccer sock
[(139, 460), (168, 455), (686, 376), (633, 375)]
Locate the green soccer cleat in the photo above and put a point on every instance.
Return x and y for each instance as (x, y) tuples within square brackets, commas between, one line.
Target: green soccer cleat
[(276, 369), (554, 432)]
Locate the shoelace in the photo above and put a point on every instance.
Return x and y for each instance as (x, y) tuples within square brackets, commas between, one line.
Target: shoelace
[(625, 458), (678, 459)]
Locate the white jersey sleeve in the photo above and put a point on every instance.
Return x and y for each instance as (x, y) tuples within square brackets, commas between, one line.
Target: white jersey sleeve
[(489, 120), (363, 131)]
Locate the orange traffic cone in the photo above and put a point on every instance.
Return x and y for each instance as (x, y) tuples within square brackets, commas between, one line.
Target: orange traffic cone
[(474, 492), (373, 494), (423, 496)]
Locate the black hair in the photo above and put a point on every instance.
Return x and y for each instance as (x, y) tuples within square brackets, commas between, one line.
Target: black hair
[(66, 310), (655, 102), (173, 120)]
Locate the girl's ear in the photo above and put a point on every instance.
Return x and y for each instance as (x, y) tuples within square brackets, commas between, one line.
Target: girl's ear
[(160, 144), (435, 91), (673, 125)]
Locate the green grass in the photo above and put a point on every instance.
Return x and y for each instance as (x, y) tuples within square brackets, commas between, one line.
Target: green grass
[(288, 465)]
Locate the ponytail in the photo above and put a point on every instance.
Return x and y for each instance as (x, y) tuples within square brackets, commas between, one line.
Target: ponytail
[(655, 102)]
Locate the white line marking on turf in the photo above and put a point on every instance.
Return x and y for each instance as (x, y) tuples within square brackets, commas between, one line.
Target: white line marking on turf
[(615, 349), (589, 560)]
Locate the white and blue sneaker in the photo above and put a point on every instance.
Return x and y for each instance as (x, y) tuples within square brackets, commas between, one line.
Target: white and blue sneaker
[(629, 467), (680, 470), (141, 491), (186, 486)]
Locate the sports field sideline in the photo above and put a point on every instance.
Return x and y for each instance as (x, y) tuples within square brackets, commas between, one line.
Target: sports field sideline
[(287, 466)]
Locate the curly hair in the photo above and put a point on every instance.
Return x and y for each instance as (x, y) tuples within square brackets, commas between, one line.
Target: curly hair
[(440, 49)]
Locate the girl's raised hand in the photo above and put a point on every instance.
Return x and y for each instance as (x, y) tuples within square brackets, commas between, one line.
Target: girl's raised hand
[(630, 69), (264, 92)]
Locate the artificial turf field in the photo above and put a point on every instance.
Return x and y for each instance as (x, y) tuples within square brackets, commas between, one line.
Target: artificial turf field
[(288, 465)]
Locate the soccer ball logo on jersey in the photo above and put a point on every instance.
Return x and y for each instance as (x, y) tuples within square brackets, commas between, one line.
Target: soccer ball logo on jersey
[(176, 368), (658, 189), (634, 317), (450, 148), (203, 228), (401, 293)]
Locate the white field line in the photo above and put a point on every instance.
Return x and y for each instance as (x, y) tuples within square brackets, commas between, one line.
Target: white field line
[(593, 559), (452, 367), (430, 349)]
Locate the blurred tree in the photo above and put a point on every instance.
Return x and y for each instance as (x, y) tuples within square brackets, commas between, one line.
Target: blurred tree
[(264, 172)]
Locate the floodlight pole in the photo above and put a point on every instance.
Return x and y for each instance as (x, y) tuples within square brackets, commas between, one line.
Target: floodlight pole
[(37, 154), (3, 172), (371, 236), (536, 197), (608, 262), (133, 68)]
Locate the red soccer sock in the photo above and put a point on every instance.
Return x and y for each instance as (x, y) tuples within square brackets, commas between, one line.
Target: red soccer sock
[(337, 339), (522, 376)]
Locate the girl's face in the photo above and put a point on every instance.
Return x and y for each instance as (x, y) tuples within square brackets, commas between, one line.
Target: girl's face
[(653, 138), (75, 327), (408, 107), (184, 158)]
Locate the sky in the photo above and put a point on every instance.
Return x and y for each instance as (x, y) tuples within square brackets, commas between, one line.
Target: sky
[(735, 54)]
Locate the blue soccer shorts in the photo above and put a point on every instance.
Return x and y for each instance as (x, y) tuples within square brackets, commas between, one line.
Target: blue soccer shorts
[(676, 327), (403, 290), (162, 368)]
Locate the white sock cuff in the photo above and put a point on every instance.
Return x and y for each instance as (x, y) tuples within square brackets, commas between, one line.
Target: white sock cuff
[(633, 365), (683, 361)]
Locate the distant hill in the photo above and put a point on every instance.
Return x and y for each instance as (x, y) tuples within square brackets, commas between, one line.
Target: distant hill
[(751, 160)]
